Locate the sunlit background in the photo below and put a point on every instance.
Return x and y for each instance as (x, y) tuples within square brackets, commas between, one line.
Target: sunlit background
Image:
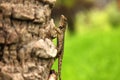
[(92, 43)]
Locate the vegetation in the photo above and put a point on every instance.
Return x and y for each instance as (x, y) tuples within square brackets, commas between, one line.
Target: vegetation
[(93, 53)]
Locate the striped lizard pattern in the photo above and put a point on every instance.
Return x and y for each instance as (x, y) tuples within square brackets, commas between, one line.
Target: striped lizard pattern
[(60, 42)]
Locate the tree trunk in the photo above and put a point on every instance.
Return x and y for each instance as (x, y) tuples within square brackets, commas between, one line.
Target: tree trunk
[(26, 32)]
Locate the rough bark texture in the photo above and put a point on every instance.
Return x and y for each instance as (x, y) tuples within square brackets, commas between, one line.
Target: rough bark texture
[(26, 32)]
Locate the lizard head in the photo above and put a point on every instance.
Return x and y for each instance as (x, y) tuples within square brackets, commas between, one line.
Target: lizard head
[(63, 23)]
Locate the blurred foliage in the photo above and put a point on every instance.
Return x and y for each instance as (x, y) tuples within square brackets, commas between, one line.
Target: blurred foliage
[(93, 52), (66, 3), (114, 15), (98, 19), (71, 3)]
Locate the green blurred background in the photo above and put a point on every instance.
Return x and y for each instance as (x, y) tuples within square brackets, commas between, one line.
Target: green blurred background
[(92, 50)]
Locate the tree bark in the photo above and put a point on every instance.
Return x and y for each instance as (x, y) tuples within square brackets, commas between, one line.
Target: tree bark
[(26, 32)]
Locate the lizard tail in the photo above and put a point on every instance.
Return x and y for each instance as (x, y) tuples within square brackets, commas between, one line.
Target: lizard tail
[(59, 66)]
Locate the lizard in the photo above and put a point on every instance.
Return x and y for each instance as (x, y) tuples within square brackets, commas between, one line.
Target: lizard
[(60, 42)]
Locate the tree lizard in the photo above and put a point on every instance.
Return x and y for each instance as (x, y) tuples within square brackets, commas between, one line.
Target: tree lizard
[(60, 42)]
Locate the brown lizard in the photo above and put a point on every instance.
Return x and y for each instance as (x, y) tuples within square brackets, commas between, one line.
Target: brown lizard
[(60, 42)]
